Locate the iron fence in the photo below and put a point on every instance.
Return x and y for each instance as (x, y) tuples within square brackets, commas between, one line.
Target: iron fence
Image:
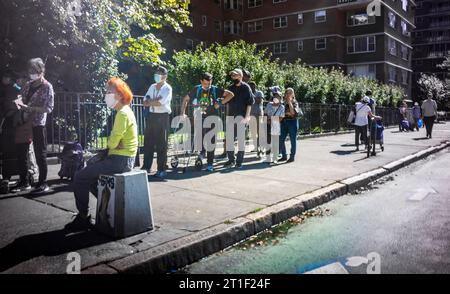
[(85, 116)]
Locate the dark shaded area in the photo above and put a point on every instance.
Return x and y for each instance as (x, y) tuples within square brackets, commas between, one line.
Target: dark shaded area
[(47, 244)]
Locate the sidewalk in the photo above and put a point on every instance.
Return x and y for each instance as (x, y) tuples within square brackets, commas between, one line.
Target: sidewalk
[(196, 213)]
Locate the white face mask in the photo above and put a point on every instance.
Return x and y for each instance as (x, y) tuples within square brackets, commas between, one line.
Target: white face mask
[(276, 100), (110, 100), (34, 77)]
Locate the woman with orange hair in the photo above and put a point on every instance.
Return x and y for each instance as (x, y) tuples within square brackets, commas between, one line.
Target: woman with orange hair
[(122, 148)]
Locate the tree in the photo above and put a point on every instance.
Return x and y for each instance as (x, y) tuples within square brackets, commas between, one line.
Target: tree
[(435, 88), (83, 41)]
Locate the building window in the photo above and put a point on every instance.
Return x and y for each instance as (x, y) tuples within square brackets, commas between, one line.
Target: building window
[(190, 44), (392, 71), (404, 77), (405, 5), (204, 21), (392, 46), (321, 44), (363, 70), (217, 2), (300, 18), (320, 16), (233, 4), (361, 44), (280, 22), (278, 1), (256, 26), (405, 31), (404, 52), (217, 26), (300, 45), (392, 19), (254, 3), (232, 27), (359, 19), (280, 48)]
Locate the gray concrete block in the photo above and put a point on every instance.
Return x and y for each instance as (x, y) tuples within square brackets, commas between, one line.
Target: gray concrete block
[(124, 204), (363, 179)]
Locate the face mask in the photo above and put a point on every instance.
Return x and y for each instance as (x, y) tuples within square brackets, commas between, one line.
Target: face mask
[(276, 100), (34, 77), (111, 102), (236, 82), (157, 78)]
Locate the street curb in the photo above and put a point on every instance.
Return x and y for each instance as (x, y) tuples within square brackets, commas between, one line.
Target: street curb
[(186, 250)]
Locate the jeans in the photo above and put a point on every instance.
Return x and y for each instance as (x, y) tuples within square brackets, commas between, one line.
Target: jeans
[(86, 179), (40, 151), (289, 127), (429, 122), (360, 130), (156, 140)]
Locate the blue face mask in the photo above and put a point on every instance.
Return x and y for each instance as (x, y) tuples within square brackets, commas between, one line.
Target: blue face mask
[(157, 78)]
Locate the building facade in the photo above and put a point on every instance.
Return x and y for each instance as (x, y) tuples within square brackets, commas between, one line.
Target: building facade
[(328, 33), (431, 38)]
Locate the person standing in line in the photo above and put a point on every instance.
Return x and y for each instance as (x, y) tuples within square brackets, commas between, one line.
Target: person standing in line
[(38, 101), (157, 99), (239, 106), (289, 125)]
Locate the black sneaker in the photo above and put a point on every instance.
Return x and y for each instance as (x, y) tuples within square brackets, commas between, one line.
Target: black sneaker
[(79, 224), (42, 188), (283, 158), (229, 163), (291, 159), (238, 166)]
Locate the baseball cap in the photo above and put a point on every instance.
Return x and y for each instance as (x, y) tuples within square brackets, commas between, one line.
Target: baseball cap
[(162, 70), (237, 71)]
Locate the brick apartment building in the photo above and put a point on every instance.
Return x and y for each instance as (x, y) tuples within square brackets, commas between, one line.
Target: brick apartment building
[(431, 38), (329, 33)]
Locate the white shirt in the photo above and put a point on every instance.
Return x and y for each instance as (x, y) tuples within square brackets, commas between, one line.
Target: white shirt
[(362, 111), (164, 95)]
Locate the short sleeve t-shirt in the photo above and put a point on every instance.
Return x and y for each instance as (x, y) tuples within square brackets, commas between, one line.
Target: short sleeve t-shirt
[(362, 112), (203, 100), (243, 97)]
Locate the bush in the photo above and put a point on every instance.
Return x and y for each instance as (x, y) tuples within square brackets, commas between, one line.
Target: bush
[(311, 84)]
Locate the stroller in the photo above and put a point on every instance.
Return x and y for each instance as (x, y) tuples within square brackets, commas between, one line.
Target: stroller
[(380, 134), (183, 158), (376, 136), (71, 160)]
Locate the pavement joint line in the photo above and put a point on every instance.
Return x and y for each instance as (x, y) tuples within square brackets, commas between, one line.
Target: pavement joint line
[(169, 255), (50, 204)]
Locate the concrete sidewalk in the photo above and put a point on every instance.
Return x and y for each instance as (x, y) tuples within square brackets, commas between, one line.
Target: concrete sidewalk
[(198, 213)]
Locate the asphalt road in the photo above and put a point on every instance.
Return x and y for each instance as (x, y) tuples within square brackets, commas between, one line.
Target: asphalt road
[(401, 225)]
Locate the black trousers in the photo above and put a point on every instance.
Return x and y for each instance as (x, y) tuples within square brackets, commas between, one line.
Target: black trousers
[(429, 122), (156, 139), (23, 161), (40, 151), (209, 154), (360, 131)]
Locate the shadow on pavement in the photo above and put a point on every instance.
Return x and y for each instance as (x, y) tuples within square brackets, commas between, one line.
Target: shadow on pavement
[(47, 244)]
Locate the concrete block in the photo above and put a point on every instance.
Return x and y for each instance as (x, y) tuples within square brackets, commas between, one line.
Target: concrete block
[(124, 204)]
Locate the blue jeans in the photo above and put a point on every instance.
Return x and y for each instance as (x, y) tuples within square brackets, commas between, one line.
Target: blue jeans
[(86, 179), (289, 127)]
